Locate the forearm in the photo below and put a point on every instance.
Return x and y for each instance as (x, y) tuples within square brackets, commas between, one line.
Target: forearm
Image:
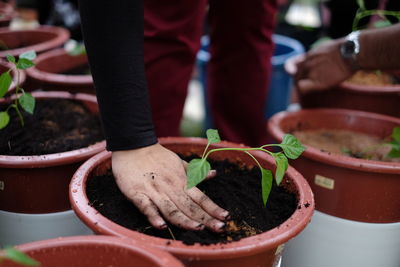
[(113, 34), (380, 48)]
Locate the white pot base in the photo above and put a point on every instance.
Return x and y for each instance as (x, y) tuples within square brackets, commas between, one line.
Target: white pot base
[(19, 228), (330, 241)]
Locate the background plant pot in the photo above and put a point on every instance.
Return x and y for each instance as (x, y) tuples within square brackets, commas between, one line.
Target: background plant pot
[(260, 250), (7, 13), (40, 39), (377, 99), (5, 66), (358, 189), (95, 251), (39, 184), (358, 217), (47, 74)]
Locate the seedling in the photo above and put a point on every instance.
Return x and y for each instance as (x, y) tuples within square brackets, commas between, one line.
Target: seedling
[(362, 12), (22, 99), (17, 256), (395, 143), (198, 168)]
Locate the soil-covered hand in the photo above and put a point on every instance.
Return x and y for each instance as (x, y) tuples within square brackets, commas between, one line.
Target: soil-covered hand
[(322, 68), (154, 179)]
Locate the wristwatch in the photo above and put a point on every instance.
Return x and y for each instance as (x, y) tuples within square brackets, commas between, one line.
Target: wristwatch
[(350, 48)]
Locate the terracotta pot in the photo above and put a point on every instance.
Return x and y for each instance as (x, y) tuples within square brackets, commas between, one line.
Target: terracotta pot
[(259, 250), (95, 251), (350, 188), (40, 39), (47, 73), (39, 184), (7, 13), (5, 66), (377, 99)]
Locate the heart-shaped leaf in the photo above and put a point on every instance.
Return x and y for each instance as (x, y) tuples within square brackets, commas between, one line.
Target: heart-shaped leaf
[(27, 102), (291, 146), (281, 166), (197, 170), (213, 136)]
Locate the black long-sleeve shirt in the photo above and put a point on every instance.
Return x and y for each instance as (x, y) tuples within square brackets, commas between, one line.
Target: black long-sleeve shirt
[(113, 35)]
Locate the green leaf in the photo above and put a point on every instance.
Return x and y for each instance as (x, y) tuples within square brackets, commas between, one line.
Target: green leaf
[(394, 153), (5, 82), (361, 4), (19, 257), (213, 136), (10, 58), (27, 102), (266, 184), (197, 170), (79, 49), (396, 134), (281, 166), (4, 119), (30, 55), (291, 146), (24, 63), (382, 23)]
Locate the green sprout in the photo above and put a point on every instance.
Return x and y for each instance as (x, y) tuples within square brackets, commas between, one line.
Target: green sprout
[(395, 143), (17, 256), (362, 12), (22, 99), (291, 147)]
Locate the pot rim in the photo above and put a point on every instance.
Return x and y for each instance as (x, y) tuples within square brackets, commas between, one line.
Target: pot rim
[(338, 160), (61, 35), (54, 78), (244, 247), (291, 69), (55, 159), (158, 256)]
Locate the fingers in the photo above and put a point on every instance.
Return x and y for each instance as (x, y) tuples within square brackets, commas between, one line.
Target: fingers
[(306, 85), (195, 212), (207, 204), (147, 207), (174, 215)]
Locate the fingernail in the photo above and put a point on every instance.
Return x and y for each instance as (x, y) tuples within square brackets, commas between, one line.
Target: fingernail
[(225, 214), (163, 226), (220, 225), (200, 226)]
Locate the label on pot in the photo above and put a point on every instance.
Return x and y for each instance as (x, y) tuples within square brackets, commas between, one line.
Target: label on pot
[(324, 182)]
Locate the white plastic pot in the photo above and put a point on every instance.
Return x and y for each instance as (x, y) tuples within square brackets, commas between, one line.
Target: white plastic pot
[(330, 241), (18, 228)]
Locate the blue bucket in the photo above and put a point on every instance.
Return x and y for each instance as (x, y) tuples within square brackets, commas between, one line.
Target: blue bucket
[(280, 87)]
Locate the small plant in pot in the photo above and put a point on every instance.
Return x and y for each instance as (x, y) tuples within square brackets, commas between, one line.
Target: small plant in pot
[(353, 170), (44, 137), (254, 236)]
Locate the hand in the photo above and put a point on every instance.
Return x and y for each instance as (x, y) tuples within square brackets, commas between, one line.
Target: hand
[(154, 179), (322, 68)]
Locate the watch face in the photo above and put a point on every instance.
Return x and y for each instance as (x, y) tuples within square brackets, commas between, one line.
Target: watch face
[(348, 49)]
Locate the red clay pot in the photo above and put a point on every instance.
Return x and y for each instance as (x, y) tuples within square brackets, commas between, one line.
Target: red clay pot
[(7, 13), (5, 66), (350, 188), (46, 74), (259, 250), (40, 39), (377, 99), (95, 251), (39, 184)]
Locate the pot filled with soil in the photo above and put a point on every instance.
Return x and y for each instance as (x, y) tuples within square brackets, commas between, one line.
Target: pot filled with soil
[(254, 236), (59, 70), (43, 38), (7, 13), (94, 251), (356, 185), (37, 161), (373, 91)]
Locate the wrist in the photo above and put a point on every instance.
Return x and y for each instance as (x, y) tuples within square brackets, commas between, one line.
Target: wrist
[(350, 50)]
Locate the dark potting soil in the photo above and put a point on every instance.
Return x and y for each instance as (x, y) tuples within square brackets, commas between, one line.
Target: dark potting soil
[(57, 125), (236, 189), (79, 70)]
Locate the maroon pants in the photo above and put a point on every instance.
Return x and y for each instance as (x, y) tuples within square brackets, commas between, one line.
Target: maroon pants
[(238, 72)]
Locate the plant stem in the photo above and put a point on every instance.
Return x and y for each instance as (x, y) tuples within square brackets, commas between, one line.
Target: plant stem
[(366, 13)]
